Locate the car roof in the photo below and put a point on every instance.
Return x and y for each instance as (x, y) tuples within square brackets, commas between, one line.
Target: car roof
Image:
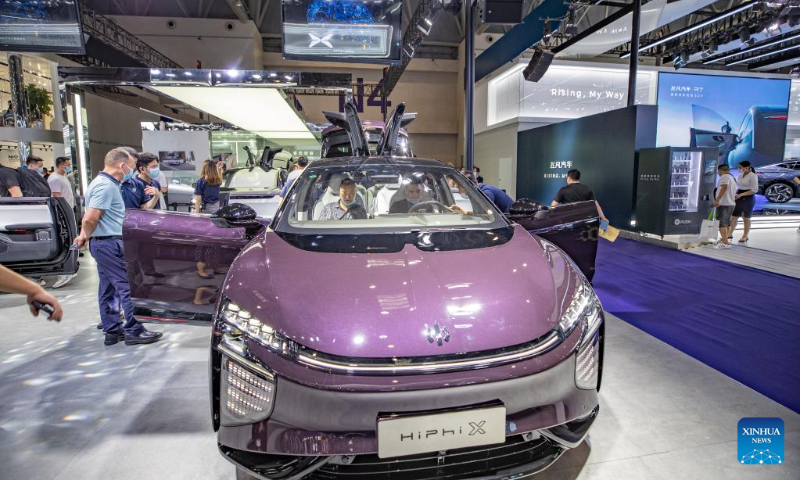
[(376, 161)]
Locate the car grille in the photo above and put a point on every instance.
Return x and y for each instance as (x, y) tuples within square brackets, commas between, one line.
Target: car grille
[(455, 464)]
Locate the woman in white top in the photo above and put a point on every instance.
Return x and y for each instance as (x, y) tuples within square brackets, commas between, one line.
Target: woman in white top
[(745, 198)]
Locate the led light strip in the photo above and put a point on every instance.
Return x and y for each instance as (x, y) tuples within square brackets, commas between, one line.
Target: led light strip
[(694, 28), (752, 49), (750, 59), (552, 340)]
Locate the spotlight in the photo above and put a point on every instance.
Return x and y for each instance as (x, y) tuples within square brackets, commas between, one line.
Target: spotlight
[(744, 33), (571, 26)]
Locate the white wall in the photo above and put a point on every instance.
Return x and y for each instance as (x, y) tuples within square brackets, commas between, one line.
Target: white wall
[(428, 87), (112, 124), (204, 39)]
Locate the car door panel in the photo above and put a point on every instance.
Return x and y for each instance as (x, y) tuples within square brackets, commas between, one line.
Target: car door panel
[(35, 236), (162, 253), (573, 227)]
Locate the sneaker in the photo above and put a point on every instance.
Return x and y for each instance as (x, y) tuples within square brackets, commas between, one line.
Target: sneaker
[(63, 280), (721, 246)]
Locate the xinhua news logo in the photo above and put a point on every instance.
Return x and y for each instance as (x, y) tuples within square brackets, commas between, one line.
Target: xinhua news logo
[(761, 441)]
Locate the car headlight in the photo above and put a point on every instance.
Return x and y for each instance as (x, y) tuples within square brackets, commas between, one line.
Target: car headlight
[(585, 312), (245, 323), (584, 305), (247, 394)]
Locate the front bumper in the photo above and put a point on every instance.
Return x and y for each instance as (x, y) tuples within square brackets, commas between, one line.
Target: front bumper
[(520, 456), (322, 433)]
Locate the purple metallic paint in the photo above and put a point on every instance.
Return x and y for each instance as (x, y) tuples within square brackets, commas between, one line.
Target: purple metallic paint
[(378, 305)]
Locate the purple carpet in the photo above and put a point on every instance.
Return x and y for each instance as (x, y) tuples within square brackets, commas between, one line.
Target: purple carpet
[(741, 321)]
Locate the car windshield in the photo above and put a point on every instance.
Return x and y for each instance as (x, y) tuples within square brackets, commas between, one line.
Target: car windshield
[(386, 198), (255, 178)]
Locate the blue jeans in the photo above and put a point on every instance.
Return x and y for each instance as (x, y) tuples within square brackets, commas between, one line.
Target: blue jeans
[(110, 258)]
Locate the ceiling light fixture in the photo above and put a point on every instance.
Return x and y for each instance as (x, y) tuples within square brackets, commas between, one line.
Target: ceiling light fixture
[(766, 54), (695, 27), (752, 48)]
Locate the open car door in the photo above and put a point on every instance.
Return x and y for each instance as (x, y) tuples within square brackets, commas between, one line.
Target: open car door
[(36, 235), (573, 227), (177, 263)]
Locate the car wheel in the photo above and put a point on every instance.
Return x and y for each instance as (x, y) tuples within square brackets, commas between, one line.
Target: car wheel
[(245, 475), (779, 193)]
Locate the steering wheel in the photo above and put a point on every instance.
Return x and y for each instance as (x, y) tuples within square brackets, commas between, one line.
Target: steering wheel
[(441, 206)]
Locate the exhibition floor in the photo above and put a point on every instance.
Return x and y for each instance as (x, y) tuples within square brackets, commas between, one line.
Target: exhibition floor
[(77, 409)]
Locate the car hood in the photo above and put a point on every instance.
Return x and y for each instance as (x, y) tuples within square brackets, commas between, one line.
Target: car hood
[(380, 305)]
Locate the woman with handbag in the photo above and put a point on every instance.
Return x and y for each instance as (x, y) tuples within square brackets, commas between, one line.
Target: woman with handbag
[(745, 198)]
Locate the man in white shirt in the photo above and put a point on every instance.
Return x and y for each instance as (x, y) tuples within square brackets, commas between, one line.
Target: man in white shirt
[(725, 202), (60, 186), (59, 183)]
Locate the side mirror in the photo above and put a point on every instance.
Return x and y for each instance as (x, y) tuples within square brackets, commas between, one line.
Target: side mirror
[(237, 215)]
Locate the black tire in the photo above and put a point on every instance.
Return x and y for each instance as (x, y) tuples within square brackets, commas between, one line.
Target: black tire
[(245, 475), (779, 192)]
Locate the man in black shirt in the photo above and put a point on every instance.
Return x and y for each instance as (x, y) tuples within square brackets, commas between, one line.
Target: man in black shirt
[(575, 191), (9, 182)]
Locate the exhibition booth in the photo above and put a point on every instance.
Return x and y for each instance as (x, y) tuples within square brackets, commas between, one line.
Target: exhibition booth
[(528, 135)]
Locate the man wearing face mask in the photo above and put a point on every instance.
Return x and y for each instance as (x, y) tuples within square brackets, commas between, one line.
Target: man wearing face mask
[(59, 184), (143, 191), (413, 195), (102, 227), (348, 207)]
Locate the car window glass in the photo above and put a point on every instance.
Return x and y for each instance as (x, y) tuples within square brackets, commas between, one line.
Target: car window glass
[(386, 198), (251, 178)]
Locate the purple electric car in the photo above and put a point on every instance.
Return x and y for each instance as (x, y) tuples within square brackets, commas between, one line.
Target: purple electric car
[(376, 330)]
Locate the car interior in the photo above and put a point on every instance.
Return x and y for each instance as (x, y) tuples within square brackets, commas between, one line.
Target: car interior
[(36, 234), (376, 191)]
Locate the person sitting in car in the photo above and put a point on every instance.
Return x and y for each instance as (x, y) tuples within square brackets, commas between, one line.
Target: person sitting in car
[(413, 195), (348, 207)]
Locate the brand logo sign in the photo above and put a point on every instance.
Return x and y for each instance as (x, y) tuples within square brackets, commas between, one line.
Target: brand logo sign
[(679, 221), (437, 334), (761, 441)]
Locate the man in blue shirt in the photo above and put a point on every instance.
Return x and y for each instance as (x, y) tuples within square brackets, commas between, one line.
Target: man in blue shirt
[(498, 197), (143, 191), (102, 227)]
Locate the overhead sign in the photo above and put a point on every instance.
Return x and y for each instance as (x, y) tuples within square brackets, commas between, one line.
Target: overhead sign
[(53, 26), (342, 30)]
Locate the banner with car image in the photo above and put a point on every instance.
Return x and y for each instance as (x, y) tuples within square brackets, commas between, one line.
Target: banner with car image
[(744, 117)]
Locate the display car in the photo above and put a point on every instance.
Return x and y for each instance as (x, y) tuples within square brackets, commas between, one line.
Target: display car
[(354, 341), (35, 236), (336, 140), (776, 182), (259, 183)]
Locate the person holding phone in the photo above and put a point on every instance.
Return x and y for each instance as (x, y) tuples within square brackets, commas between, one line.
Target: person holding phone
[(38, 298)]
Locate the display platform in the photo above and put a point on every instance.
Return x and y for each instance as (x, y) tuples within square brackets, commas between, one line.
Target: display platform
[(741, 321)]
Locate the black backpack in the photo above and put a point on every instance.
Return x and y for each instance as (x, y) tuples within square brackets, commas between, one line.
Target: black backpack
[(32, 184)]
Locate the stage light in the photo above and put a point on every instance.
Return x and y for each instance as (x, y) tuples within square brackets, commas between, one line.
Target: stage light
[(749, 47), (744, 33), (695, 27), (750, 59)]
